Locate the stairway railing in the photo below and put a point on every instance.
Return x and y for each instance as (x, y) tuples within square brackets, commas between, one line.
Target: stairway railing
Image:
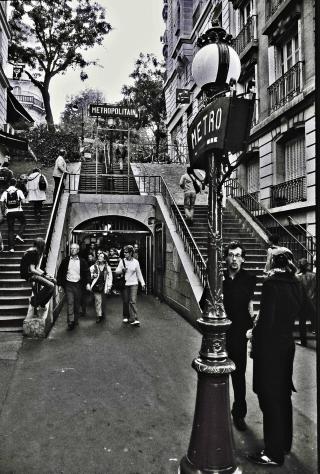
[(310, 239), (184, 232), (266, 220), (52, 221)]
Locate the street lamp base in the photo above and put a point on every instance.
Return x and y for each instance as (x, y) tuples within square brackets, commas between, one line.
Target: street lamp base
[(186, 467)]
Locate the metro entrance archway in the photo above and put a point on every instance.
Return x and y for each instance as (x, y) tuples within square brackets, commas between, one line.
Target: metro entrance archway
[(115, 231)]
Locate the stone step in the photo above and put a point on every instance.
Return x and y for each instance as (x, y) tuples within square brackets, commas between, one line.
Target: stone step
[(13, 310), (12, 292), (15, 282), (18, 299)]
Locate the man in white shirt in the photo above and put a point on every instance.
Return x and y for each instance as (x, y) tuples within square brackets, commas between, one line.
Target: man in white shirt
[(11, 201), (189, 183), (60, 167), (74, 276)]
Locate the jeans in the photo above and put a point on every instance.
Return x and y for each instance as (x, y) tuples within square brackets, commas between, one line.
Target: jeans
[(189, 202), (37, 208), (99, 303), (41, 298), (129, 300), (11, 217), (73, 295)]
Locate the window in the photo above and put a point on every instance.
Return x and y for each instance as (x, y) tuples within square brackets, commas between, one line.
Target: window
[(288, 54), (294, 157), (244, 14), (253, 178)]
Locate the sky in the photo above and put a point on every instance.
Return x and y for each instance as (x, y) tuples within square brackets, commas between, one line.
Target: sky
[(137, 27)]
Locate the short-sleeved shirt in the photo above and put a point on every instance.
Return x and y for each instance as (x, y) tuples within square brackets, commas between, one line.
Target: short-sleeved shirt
[(59, 165), (20, 196), (237, 293)]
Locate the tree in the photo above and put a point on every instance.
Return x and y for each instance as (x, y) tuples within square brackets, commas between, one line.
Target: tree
[(146, 93), (75, 117), (50, 36)]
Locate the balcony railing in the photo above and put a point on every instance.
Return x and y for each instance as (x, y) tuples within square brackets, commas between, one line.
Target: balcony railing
[(289, 192), (285, 88), (272, 6), (29, 99), (246, 35)]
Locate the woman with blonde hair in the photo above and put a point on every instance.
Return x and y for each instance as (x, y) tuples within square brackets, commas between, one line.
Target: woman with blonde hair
[(130, 268)]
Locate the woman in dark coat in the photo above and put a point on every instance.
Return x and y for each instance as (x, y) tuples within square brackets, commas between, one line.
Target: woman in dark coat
[(282, 302)]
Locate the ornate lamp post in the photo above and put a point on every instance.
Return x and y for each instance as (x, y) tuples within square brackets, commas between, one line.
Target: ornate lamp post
[(215, 67)]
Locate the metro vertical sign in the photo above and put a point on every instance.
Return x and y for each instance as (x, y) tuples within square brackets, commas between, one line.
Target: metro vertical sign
[(223, 125)]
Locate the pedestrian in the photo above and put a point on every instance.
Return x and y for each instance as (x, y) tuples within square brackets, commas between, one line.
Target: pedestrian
[(60, 167), (74, 277), (31, 272), (191, 187), (273, 243), (11, 201), (130, 268), (113, 262), (238, 290), (101, 284), (308, 280), (282, 303), (22, 184), (36, 195), (6, 174)]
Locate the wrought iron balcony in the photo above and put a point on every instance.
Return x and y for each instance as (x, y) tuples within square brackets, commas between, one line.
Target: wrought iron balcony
[(246, 35), (285, 88), (272, 6), (29, 99), (288, 192)]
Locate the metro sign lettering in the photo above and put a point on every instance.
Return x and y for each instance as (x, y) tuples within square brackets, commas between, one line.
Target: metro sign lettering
[(106, 110), (222, 125)]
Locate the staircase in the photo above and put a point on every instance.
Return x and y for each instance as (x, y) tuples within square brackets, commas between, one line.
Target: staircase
[(89, 183), (232, 229), (14, 292)]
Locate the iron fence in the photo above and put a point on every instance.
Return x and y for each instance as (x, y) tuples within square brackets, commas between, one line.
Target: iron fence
[(246, 35), (285, 88), (288, 192)]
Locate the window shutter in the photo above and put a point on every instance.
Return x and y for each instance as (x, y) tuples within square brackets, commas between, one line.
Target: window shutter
[(253, 176), (295, 165)]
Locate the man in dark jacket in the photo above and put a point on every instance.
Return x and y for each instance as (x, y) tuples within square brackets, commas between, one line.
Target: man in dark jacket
[(238, 290), (74, 276)]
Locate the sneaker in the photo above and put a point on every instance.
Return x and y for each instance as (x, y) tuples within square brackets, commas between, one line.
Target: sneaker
[(71, 326), (99, 319), (19, 238), (11, 250), (262, 459), (239, 423), (125, 320), (135, 323)]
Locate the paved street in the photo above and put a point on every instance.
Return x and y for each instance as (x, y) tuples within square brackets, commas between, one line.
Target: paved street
[(113, 399)]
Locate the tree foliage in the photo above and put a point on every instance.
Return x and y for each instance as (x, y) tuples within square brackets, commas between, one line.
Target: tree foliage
[(146, 93), (45, 144), (50, 36), (76, 109)]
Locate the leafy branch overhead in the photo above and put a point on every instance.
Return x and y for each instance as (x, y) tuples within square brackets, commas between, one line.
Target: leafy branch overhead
[(50, 36)]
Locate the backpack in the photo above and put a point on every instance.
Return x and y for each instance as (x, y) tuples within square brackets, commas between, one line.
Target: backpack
[(12, 200), (42, 183)]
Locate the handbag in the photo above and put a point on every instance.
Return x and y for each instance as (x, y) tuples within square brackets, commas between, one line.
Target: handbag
[(121, 280)]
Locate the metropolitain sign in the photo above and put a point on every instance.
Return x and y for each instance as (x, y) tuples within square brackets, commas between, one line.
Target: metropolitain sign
[(107, 110), (222, 125)]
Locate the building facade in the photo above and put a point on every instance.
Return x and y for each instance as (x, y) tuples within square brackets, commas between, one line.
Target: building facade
[(30, 97), (275, 42)]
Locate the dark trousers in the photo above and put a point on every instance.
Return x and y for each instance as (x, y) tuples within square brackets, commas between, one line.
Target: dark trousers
[(37, 208), (57, 180), (73, 295), (129, 299), (237, 351), (277, 423), (42, 296), (11, 217)]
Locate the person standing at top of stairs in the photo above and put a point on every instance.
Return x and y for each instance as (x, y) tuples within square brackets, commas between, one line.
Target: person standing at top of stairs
[(11, 201), (60, 167)]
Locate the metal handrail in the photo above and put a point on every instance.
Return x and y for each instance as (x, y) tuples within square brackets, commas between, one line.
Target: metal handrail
[(190, 245), (310, 238), (258, 211), (51, 225)]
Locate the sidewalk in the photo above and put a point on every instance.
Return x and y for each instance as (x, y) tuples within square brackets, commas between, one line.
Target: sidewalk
[(112, 399)]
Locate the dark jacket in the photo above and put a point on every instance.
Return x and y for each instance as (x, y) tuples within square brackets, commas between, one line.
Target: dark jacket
[(282, 302), (85, 276)]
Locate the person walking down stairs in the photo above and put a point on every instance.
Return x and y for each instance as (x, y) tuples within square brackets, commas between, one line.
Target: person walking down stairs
[(191, 187), (11, 201)]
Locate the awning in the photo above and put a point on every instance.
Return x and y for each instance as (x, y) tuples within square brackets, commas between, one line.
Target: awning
[(13, 142), (16, 113)]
